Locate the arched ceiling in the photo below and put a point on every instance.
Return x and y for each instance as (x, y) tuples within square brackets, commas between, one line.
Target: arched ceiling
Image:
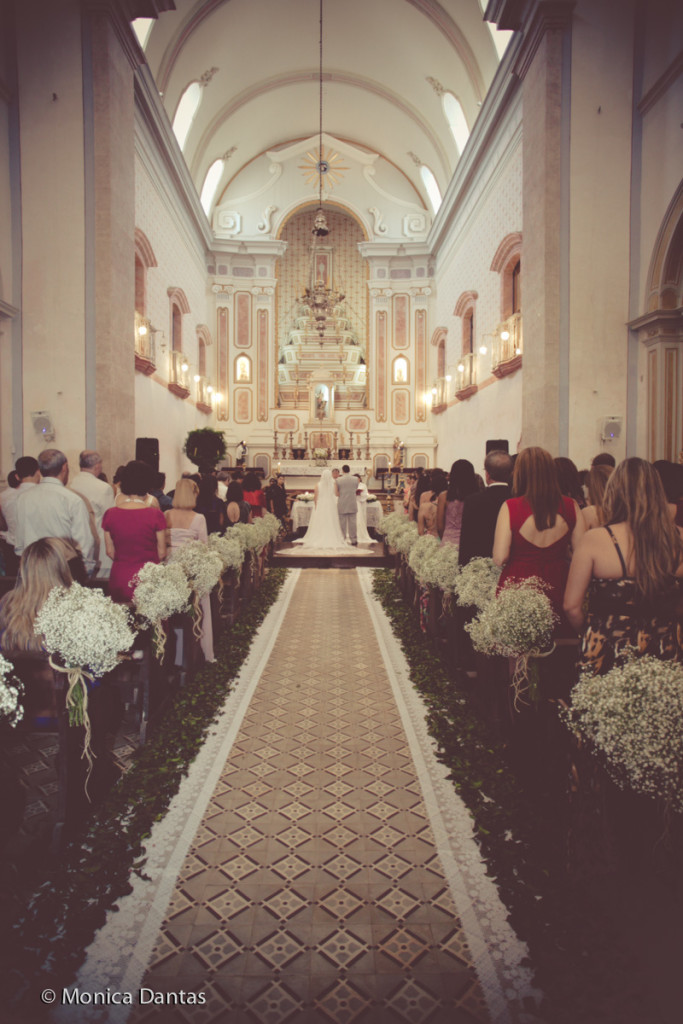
[(385, 65)]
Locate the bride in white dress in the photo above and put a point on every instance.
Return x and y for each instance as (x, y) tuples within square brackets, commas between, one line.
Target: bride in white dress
[(324, 530)]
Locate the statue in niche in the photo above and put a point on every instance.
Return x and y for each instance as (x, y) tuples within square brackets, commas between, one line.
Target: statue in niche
[(242, 369), (321, 402)]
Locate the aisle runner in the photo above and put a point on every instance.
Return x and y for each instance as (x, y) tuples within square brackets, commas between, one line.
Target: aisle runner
[(312, 889)]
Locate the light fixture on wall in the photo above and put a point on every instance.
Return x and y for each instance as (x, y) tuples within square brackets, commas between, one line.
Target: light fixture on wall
[(319, 297)]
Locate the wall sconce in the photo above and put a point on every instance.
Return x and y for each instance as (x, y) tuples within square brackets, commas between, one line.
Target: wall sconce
[(461, 367)]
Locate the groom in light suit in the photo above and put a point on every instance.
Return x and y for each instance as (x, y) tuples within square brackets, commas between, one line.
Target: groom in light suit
[(345, 488)]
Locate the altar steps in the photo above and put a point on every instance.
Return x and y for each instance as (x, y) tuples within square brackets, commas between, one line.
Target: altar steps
[(292, 556)]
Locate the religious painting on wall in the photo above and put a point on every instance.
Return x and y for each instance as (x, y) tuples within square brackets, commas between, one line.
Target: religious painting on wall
[(401, 337), (243, 320), (400, 406), (243, 370), (286, 423), (357, 424), (243, 405)]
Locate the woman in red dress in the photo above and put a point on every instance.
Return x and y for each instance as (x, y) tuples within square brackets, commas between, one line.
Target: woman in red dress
[(537, 528), (253, 493), (134, 532)]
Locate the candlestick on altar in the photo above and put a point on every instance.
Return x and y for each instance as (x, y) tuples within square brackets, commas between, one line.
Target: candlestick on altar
[(335, 449), (291, 444), (367, 445), (305, 443), (275, 443)]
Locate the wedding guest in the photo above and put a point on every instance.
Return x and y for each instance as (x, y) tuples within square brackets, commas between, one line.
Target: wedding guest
[(427, 511), (598, 477), (100, 497), (210, 505), (52, 510), (253, 493), (569, 481), (631, 569), (462, 482), (157, 491), (28, 475), (604, 459), (184, 524), (276, 498), (237, 509), (480, 510), (536, 529), (134, 531), (671, 476)]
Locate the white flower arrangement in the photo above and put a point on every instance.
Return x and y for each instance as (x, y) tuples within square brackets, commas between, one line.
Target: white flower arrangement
[(161, 591), (84, 628), (267, 528), (518, 621), (88, 632), (202, 566), (391, 524), (246, 535), (11, 690), (633, 717), (403, 540), (476, 582), (228, 549), (372, 498), (320, 453), (306, 496), (443, 569), (422, 552)]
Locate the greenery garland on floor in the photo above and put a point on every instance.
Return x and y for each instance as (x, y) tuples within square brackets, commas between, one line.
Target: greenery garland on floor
[(61, 920), (579, 958)]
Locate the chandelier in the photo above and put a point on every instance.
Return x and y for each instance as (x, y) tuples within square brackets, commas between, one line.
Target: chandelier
[(319, 296)]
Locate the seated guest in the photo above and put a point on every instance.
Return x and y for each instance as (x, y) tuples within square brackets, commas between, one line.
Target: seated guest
[(185, 524), (596, 485), (134, 532), (210, 505), (28, 475), (536, 529), (480, 510), (604, 459), (462, 482), (52, 510), (671, 476), (421, 485), (43, 565), (237, 509), (628, 568), (569, 480), (253, 493)]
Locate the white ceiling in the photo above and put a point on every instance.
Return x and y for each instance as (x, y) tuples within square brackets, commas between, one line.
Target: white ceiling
[(377, 57)]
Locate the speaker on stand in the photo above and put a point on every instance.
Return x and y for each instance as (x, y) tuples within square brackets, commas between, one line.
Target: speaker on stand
[(147, 450)]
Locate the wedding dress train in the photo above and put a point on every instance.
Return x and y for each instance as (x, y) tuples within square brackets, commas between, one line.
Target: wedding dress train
[(324, 530)]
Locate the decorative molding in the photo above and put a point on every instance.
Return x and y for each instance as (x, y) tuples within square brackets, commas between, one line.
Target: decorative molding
[(549, 16), (659, 325), (436, 85), (465, 301), (415, 158), (415, 225), (143, 248), (663, 83), (264, 225), (206, 77), (7, 312), (378, 227), (510, 246), (178, 390), (369, 175), (229, 222), (178, 298)]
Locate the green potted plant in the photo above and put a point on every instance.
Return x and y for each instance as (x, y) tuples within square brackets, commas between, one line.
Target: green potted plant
[(205, 447)]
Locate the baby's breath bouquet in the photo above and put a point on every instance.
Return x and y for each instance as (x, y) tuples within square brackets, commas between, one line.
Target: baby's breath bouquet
[(633, 717), (320, 453), (391, 525), (88, 632), (267, 528), (476, 582), (241, 532), (404, 539), (11, 690), (517, 623), (203, 569), (443, 570), (305, 496), (161, 591), (422, 552), (228, 549)]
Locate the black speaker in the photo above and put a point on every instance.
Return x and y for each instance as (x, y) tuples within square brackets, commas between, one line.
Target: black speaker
[(147, 450), (497, 446)]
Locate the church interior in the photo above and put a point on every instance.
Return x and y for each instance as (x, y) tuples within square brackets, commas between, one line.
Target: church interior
[(381, 234)]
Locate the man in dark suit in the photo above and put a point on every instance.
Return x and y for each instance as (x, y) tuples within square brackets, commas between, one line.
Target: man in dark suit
[(480, 510)]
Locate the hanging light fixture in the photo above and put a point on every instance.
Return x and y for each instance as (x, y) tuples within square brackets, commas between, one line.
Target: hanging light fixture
[(320, 298)]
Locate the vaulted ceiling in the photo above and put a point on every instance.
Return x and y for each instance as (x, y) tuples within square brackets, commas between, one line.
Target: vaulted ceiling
[(386, 65)]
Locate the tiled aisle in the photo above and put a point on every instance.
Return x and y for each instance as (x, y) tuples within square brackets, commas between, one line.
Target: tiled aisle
[(312, 889)]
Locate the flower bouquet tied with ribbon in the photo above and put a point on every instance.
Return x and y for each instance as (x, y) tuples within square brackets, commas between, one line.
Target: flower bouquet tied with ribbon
[(161, 591), (11, 692), (87, 632), (476, 583), (203, 568)]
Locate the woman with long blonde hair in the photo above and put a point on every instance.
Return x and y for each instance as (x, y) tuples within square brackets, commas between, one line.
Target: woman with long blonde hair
[(183, 525), (537, 527), (43, 565), (631, 570), (598, 478)]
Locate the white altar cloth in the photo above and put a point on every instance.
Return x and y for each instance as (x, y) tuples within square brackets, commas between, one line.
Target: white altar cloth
[(302, 511)]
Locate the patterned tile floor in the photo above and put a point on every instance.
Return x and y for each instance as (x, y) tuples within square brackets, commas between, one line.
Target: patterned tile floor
[(312, 889)]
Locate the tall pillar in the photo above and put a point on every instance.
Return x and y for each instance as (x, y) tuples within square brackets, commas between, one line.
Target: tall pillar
[(543, 64)]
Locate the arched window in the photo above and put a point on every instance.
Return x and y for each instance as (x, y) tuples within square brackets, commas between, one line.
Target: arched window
[(455, 116), (433, 190), (144, 259), (400, 374), (211, 181), (185, 112), (176, 328), (516, 286), (465, 309), (201, 357), (508, 263)]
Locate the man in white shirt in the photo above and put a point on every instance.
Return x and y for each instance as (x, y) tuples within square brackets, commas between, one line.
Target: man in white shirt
[(98, 493), (52, 510), (29, 475)]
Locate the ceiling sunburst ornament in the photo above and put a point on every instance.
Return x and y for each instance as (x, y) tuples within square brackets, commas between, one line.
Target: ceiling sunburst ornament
[(326, 170)]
